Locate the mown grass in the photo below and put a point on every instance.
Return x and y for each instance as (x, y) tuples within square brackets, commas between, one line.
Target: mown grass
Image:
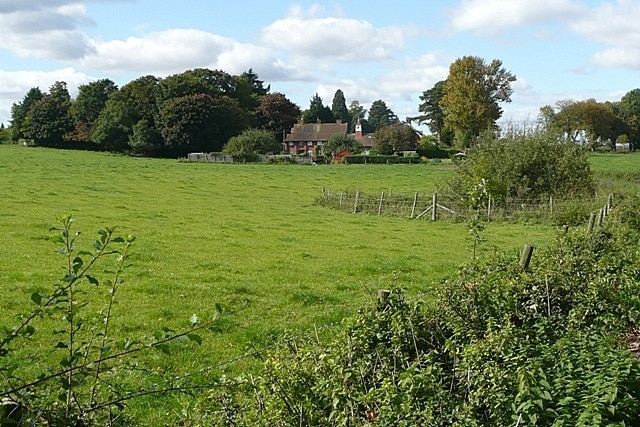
[(246, 236)]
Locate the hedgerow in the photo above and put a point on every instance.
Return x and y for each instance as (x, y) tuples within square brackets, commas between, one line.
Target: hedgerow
[(496, 346)]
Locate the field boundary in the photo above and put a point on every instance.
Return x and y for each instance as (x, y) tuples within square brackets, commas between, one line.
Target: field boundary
[(439, 206)]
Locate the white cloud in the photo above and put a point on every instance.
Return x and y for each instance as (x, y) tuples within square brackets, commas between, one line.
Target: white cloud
[(341, 39), (175, 50), (488, 16), (613, 24), (15, 84)]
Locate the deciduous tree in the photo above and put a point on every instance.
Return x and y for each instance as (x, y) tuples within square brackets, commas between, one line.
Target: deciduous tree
[(48, 120), (200, 122), (19, 112), (472, 93), (277, 113), (88, 105), (395, 138)]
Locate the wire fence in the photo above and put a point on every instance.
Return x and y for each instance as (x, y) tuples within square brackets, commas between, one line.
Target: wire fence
[(439, 206)]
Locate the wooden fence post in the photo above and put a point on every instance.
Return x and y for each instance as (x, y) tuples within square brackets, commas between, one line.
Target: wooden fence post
[(551, 205), (380, 204), (355, 205), (434, 207), (341, 198), (489, 208), (525, 260), (599, 217), (415, 202), (592, 221)]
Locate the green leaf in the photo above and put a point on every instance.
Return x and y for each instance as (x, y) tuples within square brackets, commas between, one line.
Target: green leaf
[(56, 238), (93, 280), (163, 348), (61, 345), (195, 337), (36, 297)]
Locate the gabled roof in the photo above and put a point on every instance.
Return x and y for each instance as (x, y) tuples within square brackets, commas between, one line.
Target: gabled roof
[(302, 132)]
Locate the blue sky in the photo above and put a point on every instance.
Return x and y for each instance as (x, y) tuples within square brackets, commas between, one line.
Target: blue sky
[(558, 49)]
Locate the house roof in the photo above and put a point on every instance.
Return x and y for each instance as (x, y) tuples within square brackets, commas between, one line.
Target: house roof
[(315, 131)]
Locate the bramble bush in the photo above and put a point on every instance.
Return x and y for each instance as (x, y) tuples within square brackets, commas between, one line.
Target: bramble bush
[(496, 346)]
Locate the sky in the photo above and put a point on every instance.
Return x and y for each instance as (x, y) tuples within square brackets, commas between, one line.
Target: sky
[(557, 49)]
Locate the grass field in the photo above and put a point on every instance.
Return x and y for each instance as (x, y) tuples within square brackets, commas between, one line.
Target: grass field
[(246, 236)]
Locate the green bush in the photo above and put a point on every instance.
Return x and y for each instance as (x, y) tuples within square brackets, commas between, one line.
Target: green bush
[(496, 346), (533, 166)]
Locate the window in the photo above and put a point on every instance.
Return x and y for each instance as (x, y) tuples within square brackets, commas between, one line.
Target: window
[(319, 143), (309, 143), (290, 144)]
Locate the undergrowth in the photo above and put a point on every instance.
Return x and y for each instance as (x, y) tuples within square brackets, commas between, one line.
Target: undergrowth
[(497, 346)]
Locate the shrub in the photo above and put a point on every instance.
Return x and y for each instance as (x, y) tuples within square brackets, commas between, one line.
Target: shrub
[(496, 346), (533, 166)]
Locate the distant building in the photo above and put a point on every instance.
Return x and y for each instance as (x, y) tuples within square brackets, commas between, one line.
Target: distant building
[(305, 137), (368, 140)]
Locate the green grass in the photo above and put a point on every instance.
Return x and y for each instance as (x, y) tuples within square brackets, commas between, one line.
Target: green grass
[(617, 171), (246, 236)]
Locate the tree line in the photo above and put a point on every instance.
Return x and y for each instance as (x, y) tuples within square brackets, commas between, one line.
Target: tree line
[(197, 110), (211, 111), (459, 109)]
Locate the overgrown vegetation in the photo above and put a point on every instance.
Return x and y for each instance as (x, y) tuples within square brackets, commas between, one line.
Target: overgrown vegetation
[(496, 346), (519, 166)]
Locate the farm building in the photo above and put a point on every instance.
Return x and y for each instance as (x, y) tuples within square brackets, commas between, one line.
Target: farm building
[(305, 137)]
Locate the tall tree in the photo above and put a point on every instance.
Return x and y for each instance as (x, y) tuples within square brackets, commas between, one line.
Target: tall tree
[(19, 113), (339, 107), (317, 112), (277, 114), (49, 120), (256, 84), (88, 105), (472, 93), (630, 112), (432, 112), (200, 122), (380, 115), (590, 119), (134, 104)]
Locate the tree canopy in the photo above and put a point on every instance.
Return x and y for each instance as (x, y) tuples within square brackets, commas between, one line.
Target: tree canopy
[(395, 138), (339, 107), (472, 93), (317, 112)]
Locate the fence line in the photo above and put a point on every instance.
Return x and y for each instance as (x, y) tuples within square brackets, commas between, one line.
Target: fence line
[(447, 206), (226, 158)]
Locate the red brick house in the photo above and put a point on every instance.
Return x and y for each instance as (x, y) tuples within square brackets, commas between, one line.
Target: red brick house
[(305, 137)]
